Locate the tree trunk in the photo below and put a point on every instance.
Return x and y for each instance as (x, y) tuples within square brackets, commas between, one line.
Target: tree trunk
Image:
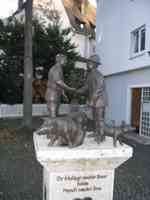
[(28, 71)]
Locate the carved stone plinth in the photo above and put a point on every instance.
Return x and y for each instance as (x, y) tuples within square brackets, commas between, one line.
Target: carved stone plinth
[(85, 172)]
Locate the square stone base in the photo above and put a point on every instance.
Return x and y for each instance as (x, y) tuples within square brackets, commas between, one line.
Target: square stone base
[(94, 185), (82, 173)]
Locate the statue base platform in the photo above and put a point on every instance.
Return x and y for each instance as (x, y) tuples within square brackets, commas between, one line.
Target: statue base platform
[(82, 173)]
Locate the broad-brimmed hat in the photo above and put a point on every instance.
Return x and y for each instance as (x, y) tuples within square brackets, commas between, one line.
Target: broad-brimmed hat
[(95, 59)]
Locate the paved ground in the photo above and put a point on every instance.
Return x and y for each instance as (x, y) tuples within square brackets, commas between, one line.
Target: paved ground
[(21, 175), (132, 180)]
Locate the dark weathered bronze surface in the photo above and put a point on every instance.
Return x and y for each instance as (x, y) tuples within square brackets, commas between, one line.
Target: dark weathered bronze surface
[(68, 130), (56, 86), (95, 90), (117, 132)]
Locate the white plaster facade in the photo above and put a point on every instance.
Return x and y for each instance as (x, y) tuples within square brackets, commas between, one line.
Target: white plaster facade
[(119, 88), (85, 45), (116, 20)]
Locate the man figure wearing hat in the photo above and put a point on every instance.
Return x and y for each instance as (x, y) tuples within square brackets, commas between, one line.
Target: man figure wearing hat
[(94, 88), (56, 85)]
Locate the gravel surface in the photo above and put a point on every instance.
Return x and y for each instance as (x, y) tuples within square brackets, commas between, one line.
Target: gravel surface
[(21, 174)]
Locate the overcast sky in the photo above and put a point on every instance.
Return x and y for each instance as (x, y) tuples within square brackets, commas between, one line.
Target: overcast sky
[(93, 2), (9, 6)]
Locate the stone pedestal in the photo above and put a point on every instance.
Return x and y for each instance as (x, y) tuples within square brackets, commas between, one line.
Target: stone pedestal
[(85, 172)]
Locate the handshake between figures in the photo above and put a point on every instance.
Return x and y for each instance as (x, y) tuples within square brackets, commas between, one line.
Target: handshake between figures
[(75, 91)]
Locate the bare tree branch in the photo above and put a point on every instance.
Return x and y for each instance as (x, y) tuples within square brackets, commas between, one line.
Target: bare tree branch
[(21, 6)]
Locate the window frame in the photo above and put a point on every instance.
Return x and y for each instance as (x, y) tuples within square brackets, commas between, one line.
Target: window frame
[(137, 31)]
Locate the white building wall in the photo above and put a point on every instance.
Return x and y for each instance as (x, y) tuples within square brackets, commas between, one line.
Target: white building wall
[(81, 44), (119, 92), (52, 5), (85, 45), (92, 46), (116, 19), (81, 41), (58, 4)]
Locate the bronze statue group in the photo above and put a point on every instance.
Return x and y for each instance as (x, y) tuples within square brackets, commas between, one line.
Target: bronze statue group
[(70, 130)]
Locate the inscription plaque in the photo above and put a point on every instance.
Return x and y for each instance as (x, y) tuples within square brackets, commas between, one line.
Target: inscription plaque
[(82, 185)]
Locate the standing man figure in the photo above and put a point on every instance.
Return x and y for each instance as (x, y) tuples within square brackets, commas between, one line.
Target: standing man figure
[(94, 88), (56, 85)]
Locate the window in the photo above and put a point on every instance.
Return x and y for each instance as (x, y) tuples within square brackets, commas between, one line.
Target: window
[(138, 38), (142, 39)]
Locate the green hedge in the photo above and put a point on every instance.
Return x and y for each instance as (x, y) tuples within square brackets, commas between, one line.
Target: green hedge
[(47, 42)]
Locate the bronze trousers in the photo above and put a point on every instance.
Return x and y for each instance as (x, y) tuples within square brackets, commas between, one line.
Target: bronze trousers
[(98, 116)]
